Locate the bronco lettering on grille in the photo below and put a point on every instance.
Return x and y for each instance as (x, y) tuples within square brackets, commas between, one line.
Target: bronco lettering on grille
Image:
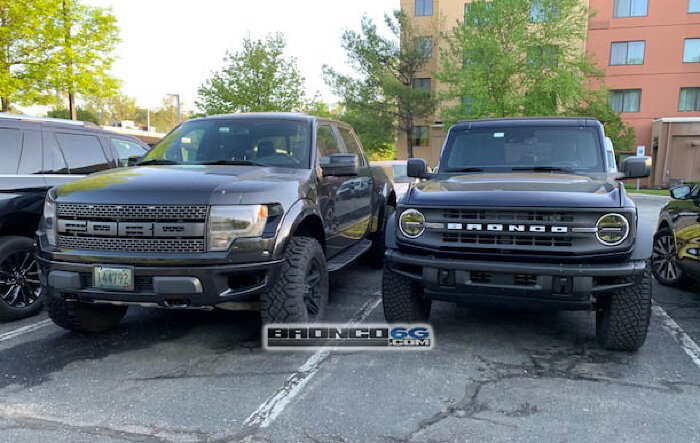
[(497, 227)]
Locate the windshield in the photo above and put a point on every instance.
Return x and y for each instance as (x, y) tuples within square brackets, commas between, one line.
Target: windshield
[(523, 148), (265, 142)]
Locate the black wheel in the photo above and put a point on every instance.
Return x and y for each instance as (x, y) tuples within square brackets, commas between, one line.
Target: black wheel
[(20, 288), (84, 317), (403, 300), (622, 317), (664, 261), (300, 294), (376, 252)]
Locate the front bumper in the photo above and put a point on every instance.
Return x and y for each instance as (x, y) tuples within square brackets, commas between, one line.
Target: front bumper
[(562, 286), (164, 286)]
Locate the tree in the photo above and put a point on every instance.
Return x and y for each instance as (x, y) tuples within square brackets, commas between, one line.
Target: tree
[(381, 98), (25, 44), (83, 59), (514, 58), (256, 79)]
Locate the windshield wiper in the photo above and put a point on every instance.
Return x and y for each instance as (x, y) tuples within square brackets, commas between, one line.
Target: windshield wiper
[(232, 163), (543, 169), (157, 162), (465, 170)]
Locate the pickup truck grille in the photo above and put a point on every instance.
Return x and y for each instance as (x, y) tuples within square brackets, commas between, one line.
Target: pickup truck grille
[(132, 228), (506, 231)]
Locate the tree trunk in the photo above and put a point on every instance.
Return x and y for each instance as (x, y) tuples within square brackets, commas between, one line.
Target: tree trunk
[(5, 104), (409, 141), (71, 106)]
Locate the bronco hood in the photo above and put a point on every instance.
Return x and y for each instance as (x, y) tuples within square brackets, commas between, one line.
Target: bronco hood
[(517, 189), (185, 184)]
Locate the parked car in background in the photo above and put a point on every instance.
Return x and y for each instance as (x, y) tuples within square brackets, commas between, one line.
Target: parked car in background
[(676, 257), (523, 212), (396, 171), (37, 154), (247, 211)]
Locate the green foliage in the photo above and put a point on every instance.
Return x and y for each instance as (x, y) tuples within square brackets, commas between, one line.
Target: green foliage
[(82, 114), (380, 99), (622, 135), (258, 78), (25, 46)]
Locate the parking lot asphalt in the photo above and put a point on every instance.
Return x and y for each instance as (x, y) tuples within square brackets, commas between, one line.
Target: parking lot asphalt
[(495, 375)]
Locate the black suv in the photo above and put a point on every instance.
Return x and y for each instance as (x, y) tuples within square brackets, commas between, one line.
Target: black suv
[(242, 212), (676, 258), (38, 154), (523, 211)]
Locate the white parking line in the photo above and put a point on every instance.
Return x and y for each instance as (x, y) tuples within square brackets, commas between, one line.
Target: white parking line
[(689, 346), (24, 330), (268, 411)]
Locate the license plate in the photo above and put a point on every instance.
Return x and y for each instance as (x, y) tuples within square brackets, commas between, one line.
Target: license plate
[(121, 279)]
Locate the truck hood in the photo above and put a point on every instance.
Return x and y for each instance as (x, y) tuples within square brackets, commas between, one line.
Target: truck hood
[(187, 185), (517, 189)]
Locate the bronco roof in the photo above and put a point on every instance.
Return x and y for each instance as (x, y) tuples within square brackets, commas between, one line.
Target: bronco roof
[(529, 121), (295, 116)]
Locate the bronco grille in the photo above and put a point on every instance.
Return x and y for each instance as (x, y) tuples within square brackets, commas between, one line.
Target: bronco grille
[(507, 231), (132, 228)]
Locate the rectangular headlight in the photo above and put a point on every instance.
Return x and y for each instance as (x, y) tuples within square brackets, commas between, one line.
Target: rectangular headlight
[(50, 219), (227, 223)]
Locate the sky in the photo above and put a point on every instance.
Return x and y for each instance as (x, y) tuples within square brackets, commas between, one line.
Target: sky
[(172, 46)]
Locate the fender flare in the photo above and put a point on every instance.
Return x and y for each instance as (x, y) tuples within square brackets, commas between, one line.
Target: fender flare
[(293, 217), (390, 234), (644, 243)]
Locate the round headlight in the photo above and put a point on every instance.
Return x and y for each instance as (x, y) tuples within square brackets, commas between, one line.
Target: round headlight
[(613, 229), (412, 223)]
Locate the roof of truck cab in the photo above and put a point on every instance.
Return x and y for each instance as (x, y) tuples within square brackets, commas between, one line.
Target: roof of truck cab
[(529, 121)]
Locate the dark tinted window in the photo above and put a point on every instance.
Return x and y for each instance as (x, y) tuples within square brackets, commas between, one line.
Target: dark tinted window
[(83, 153), (10, 150), (505, 149), (32, 157), (126, 150), (327, 144), (269, 142)]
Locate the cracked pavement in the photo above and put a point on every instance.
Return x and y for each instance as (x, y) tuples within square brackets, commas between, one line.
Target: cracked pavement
[(496, 375)]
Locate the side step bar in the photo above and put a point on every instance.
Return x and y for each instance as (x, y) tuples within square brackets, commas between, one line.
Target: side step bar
[(348, 257)]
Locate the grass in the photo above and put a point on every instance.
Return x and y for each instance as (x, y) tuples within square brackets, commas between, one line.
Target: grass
[(633, 189)]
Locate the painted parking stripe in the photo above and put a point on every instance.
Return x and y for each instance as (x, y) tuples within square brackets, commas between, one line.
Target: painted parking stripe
[(268, 411), (689, 346), (24, 330)]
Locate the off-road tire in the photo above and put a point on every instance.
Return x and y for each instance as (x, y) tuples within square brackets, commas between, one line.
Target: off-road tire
[(285, 302), (681, 280), (375, 255), (403, 299), (622, 317), (9, 246), (83, 317)]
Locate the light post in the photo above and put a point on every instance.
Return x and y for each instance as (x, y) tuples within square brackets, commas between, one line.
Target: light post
[(177, 103)]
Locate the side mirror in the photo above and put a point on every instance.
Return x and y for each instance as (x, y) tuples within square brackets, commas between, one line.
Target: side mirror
[(341, 165), (636, 167), (417, 168), (133, 161), (681, 192)]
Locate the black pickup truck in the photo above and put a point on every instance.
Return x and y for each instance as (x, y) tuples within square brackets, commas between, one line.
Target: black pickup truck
[(237, 212), (524, 211)]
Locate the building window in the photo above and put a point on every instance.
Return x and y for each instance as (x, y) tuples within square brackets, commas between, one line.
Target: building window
[(690, 100), (543, 13), (691, 53), (424, 8), (422, 83), (473, 16), (546, 57), (694, 6), (631, 8), (625, 100), (425, 45), (627, 53), (420, 136)]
